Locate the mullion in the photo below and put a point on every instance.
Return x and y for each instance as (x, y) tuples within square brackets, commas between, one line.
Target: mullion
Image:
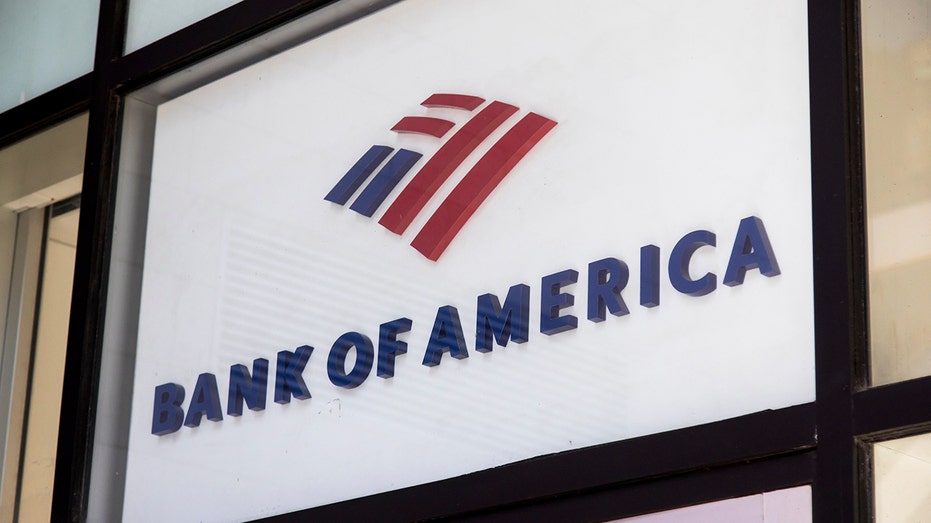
[(88, 301), (838, 319)]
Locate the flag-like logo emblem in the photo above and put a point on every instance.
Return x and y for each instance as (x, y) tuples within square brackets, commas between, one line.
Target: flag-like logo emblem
[(467, 196)]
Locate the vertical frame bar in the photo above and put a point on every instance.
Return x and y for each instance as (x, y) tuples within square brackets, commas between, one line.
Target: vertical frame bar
[(838, 237), (88, 301)]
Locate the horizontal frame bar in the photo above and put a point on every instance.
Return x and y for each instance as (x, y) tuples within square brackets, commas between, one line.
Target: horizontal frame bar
[(45, 110), (688, 489), (648, 458), (893, 410)]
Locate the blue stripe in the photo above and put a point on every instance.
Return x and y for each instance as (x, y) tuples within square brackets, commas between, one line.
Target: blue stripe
[(351, 181), (383, 183)]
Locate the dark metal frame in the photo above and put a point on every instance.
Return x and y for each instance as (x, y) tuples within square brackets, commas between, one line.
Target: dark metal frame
[(825, 443)]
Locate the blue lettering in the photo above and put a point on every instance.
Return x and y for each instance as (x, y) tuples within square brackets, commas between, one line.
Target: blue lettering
[(288, 378), (751, 250), (252, 389), (509, 322), (205, 400), (606, 279), (389, 347), (552, 301), (496, 324), (167, 416), (446, 337), (336, 362), (679, 260), (649, 276)]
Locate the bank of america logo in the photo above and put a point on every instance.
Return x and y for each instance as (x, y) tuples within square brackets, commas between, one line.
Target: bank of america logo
[(467, 196)]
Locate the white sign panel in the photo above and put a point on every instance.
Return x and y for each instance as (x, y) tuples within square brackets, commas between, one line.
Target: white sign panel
[(446, 238)]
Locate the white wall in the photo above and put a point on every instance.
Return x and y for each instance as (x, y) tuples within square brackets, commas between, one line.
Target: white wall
[(671, 117)]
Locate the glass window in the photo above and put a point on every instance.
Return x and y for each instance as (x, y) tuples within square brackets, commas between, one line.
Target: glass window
[(38, 232), (902, 479), (43, 44), (150, 20), (897, 107), (241, 254)]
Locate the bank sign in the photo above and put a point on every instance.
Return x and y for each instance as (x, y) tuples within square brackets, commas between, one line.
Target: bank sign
[(400, 253)]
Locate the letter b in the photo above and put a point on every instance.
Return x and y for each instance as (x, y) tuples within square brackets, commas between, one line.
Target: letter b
[(167, 415)]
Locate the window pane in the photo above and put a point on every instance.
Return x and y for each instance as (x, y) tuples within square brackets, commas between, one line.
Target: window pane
[(150, 20), (902, 475), (44, 44), (897, 106), (40, 438), (37, 219)]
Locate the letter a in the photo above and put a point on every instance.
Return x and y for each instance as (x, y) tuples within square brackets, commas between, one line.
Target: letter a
[(751, 250), (446, 337)]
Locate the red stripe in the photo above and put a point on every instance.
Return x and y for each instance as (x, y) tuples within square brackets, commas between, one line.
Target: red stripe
[(455, 101), (423, 125), (425, 184), (458, 207)]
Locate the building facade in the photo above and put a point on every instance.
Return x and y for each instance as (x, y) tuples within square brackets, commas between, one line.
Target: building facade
[(505, 261)]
